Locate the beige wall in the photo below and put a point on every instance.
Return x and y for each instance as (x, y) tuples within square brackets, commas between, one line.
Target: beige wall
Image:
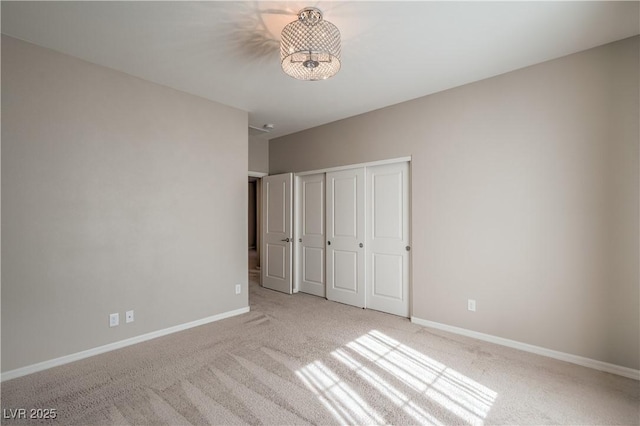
[(258, 154), (524, 197), (117, 194)]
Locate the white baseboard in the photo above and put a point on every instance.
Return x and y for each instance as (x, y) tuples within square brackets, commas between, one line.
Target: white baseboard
[(574, 359), (23, 371)]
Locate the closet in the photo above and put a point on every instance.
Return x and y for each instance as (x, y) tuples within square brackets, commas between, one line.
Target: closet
[(350, 236)]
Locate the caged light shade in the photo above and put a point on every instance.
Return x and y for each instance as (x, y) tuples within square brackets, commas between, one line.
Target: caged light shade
[(310, 47)]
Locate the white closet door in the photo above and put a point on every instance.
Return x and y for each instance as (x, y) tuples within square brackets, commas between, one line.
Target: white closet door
[(277, 232), (345, 237), (388, 238), (311, 234)]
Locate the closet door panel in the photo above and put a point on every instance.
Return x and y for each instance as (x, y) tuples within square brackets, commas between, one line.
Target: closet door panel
[(345, 237), (388, 238), (311, 234)]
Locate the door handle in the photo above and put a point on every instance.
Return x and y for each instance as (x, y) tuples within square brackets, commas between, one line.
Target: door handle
[(286, 240), (328, 243), (360, 245)]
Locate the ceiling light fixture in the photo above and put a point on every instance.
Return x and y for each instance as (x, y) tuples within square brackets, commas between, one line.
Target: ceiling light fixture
[(310, 47)]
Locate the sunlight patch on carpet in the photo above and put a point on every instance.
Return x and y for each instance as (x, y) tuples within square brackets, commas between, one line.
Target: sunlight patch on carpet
[(459, 395), (338, 398), (462, 396), (382, 386)]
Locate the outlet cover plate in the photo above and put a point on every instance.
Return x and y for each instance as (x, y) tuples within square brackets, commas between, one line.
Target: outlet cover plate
[(129, 316), (471, 305), (238, 288), (114, 320)]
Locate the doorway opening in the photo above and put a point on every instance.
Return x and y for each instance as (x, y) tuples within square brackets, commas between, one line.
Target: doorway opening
[(254, 226)]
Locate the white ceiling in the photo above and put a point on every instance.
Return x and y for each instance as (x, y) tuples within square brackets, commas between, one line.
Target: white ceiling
[(391, 51)]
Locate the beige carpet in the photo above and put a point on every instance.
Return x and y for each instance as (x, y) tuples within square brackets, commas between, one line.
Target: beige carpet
[(303, 360)]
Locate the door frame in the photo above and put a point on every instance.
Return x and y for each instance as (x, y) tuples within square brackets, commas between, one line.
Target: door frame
[(355, 166)]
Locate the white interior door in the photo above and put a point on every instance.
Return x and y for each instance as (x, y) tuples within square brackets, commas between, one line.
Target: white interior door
[(388, 238), (277, 232), (310, 231), (345, 237)]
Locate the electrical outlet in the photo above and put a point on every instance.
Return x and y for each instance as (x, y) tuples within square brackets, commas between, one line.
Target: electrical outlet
[(128, 316), (471, 305), (238, 288), (114, 320)]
